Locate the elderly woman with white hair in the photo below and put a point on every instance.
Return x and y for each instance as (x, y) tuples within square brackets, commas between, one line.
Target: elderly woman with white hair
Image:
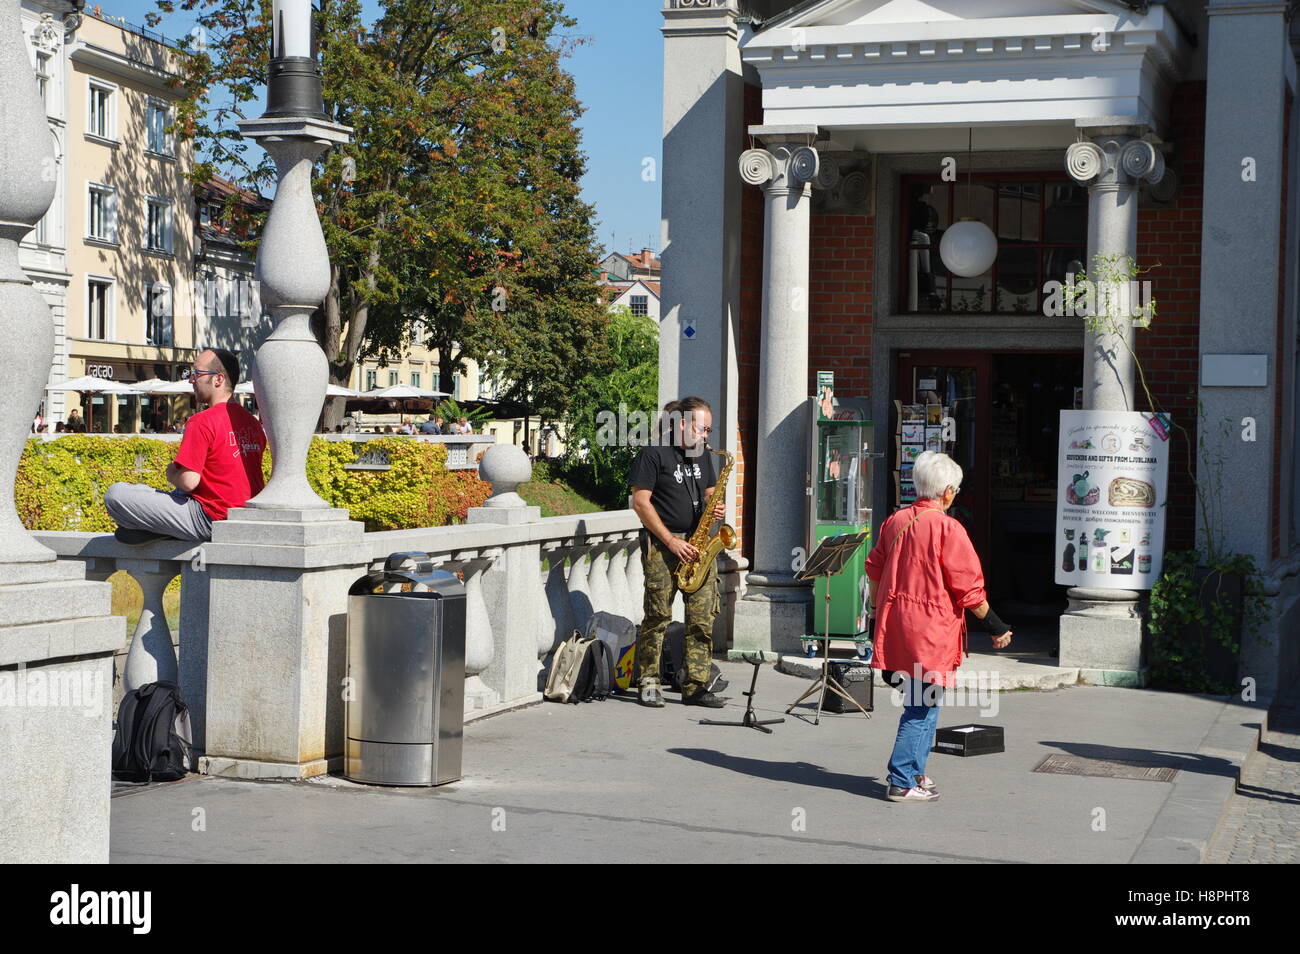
[(924, 574)]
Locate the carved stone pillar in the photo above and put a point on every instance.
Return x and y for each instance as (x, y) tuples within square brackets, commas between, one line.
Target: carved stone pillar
[(57, 637), (773, 613)]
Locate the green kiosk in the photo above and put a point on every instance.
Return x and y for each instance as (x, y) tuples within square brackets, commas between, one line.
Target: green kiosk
[(840, 502)]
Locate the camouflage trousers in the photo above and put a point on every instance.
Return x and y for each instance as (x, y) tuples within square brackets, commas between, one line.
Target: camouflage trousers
[(701, 609)]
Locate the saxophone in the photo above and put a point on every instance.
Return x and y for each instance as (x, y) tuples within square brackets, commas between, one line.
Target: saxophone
[(690, 575)]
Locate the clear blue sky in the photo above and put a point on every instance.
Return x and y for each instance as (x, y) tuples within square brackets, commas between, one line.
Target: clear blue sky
[(619, 74)]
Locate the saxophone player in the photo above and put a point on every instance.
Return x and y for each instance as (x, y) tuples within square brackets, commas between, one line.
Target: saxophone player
[(672, 479)]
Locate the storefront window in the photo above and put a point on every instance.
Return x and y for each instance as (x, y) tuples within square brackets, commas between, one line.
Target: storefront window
[(1041, 225)]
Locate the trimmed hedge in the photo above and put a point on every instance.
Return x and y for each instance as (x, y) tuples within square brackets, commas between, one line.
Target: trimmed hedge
[(60, 484)]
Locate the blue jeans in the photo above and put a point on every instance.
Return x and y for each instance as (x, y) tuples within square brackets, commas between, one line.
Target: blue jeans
[(916, 730)]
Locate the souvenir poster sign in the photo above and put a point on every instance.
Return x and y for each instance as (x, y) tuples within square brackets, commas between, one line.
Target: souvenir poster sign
[(1110, 503)]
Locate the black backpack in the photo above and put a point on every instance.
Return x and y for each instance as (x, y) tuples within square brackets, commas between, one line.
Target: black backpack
[(596, 677), (153, 741)]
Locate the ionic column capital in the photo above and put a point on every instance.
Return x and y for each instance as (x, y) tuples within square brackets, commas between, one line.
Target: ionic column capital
[(782, 167), (1114, 162)]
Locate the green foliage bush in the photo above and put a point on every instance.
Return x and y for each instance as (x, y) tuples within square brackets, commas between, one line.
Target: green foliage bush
[(1183, 611), (61, 483)]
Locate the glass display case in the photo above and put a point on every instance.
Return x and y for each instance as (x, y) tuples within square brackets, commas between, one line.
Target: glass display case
[(840, 503)]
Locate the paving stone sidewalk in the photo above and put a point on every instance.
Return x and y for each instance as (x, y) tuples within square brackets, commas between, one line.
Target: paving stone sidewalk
[(1261, 823), (613, 781)]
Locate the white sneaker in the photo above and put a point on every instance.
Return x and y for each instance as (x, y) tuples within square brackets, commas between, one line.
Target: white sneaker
[(927, 783), (917, 794)]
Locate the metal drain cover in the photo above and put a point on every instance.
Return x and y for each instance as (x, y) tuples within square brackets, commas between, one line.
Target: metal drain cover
[(1106, 768)]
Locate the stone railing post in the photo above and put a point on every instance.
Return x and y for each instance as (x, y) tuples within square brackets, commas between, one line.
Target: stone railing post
[(512, 588)]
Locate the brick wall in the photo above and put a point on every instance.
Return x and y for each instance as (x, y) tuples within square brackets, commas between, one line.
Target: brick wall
[(1170, 240), (841, 259)]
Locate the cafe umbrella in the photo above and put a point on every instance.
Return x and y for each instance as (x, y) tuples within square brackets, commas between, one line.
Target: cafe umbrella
[(403, 393), (92, 385)]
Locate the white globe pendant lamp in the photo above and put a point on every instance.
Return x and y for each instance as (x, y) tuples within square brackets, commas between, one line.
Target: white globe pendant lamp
[(969, 247)]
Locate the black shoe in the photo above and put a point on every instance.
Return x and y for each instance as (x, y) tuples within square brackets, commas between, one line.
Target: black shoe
[(703, 698), (134, 537), (719, 685)]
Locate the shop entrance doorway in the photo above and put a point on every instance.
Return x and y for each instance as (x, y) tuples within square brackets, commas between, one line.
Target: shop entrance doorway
[(1001, 415)]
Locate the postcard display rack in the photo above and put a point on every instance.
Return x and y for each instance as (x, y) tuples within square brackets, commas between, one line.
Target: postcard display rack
[(918, 428)]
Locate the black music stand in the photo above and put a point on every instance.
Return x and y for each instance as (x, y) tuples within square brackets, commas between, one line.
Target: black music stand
[(749, 720), (830, 557)]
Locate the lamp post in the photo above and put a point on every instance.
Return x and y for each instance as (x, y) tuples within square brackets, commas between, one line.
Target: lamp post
[(291, 372)]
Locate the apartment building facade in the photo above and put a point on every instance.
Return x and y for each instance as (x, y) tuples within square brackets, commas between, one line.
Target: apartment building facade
[(115, 253)]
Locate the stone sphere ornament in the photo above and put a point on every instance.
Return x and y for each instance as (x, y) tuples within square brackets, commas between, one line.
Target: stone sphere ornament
[(505, 467), (968, 248)]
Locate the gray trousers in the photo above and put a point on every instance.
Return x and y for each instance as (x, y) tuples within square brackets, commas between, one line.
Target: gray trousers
[(140, 507)]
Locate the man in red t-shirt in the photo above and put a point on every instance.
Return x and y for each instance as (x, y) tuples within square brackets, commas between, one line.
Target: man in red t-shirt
[(218, 466)]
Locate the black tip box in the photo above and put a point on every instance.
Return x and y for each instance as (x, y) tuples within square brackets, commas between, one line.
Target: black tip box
[(969, 739)]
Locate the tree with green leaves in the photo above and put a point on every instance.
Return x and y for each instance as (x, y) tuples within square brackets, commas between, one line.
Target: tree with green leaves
[(612, 410), (457, 204)]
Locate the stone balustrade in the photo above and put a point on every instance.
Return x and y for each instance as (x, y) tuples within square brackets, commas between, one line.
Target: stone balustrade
[(529, 584)]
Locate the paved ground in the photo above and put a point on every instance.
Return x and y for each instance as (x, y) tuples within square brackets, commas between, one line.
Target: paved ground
[(1261, 824), (614, 781)]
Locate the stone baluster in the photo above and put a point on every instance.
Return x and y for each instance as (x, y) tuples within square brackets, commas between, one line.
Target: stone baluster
[(558, 605), (636, 582), (579, 589), (152, 655), (617, 577), (479, 644), (602, 599)]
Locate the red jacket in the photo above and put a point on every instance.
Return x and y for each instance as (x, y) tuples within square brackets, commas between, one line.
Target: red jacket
[(926, 578)]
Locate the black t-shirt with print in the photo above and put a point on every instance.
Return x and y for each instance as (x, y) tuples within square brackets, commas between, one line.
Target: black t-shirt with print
[(677, 481)]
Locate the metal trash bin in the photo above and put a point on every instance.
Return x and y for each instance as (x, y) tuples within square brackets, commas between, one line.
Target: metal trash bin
[(405, 713)]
